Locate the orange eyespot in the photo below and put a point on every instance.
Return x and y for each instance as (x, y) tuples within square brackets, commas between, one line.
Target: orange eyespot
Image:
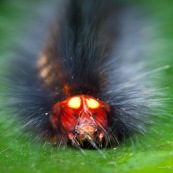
[(66, 89), (74, 102), (91, 103)]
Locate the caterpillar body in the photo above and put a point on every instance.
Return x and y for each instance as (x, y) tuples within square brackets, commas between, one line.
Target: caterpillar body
[(80, 79)]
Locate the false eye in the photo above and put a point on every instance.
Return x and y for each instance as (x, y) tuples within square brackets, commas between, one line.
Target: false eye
[(74, 102), (91, 103)]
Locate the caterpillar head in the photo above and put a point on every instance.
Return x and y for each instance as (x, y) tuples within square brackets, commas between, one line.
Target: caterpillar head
[(81, 118)]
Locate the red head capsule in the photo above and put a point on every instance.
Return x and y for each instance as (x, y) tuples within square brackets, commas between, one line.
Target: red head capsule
[(80, 118)]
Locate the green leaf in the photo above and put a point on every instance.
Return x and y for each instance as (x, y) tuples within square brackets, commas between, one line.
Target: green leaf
[(150, 153)]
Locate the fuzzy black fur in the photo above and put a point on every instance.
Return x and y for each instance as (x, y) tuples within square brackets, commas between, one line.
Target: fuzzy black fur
[(95, 48)]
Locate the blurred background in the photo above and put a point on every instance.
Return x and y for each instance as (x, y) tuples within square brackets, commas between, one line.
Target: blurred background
[(153, 154)]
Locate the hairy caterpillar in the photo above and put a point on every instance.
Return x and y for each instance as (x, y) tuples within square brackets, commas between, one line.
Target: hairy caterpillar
[(80, 79)]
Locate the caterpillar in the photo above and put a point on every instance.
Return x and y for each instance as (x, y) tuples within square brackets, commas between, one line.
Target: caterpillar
[(80, 78)]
